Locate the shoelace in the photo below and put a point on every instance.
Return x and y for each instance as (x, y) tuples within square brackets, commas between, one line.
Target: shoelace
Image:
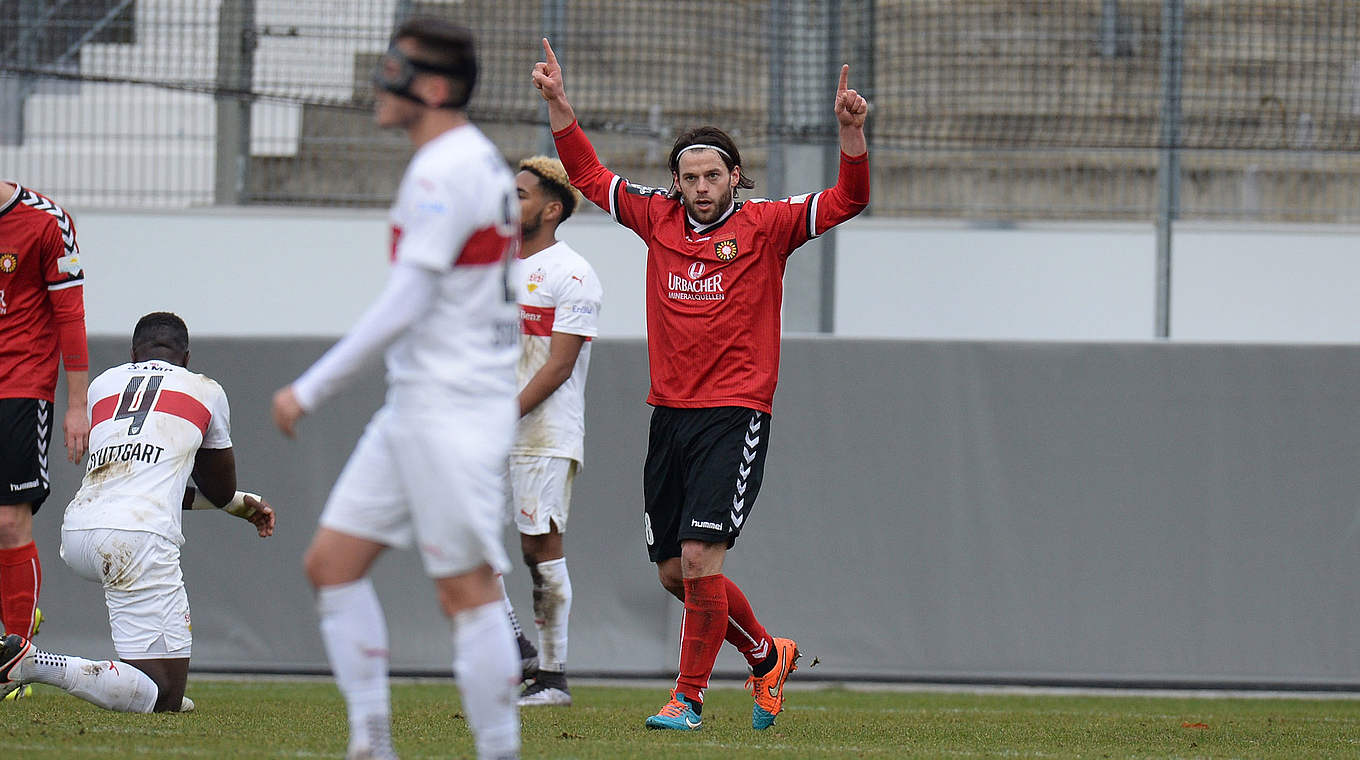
[(674, 708), (751, 681)]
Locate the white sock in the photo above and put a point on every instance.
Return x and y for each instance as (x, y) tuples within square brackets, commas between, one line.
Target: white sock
[(509, 608), (486, 660), (355, 634), (111, 684), (552, 605)]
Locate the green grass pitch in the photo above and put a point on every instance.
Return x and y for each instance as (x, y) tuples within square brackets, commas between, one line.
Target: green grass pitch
[(305, 719)]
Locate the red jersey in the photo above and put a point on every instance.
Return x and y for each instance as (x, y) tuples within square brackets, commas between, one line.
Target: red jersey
[(714, 292), (42, 311)]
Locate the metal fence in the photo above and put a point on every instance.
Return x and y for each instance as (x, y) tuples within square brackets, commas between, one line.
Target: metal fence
[(982, 109)]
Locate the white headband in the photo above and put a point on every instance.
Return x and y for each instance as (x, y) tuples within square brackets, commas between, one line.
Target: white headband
[(703, 146)]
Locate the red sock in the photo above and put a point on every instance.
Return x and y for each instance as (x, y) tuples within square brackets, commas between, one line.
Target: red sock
[(701, 635), (743, 630), (20, 579)]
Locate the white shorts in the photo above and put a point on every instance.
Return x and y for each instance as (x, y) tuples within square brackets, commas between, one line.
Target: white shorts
[(436, 478), (540, 492), (143, 588)]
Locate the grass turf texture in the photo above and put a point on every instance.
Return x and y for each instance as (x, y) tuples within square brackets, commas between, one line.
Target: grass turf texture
[(305, 719)]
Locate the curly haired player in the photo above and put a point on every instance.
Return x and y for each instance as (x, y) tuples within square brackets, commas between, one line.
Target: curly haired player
[(559, 305)]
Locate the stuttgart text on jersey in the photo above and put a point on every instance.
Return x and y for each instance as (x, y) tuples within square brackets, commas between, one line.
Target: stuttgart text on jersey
[(143, 453)]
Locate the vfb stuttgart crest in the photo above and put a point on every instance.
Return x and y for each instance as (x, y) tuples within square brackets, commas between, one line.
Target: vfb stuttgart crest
[(725, 250), (8, 262)]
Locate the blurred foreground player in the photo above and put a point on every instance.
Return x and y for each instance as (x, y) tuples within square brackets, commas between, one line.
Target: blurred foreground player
[(429, 468), (715, 269), (155, 424)]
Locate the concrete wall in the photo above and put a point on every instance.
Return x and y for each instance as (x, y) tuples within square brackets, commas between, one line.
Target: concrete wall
[(1052, 498), (1125, 512), (272, 272)]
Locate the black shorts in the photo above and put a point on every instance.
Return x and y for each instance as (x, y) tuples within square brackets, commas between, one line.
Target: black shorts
[(702, 475), (25, 436)]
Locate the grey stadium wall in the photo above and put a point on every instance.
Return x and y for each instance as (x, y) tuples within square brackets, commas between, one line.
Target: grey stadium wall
[(1135, 513)]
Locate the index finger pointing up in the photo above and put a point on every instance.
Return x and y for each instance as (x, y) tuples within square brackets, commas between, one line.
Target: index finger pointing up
[(548, 51), (845, 77)]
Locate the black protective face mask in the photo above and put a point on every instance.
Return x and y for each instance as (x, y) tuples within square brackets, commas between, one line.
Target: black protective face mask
[(396, 71)]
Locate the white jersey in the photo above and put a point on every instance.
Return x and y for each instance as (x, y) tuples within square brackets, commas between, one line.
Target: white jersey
[(457, 214), (558, 292), (147, 421)]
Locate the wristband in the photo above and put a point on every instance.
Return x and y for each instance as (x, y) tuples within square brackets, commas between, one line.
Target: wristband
[(236, 507)]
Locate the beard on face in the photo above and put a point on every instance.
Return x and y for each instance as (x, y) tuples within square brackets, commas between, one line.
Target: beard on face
[(720, 205), (529, 227)]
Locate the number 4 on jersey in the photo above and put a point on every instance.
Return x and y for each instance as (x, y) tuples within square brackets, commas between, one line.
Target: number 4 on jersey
[(137, 402)]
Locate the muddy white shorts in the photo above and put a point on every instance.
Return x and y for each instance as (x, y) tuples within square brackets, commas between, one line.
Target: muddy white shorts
[(540, 492), (143, 588), (432, 477)]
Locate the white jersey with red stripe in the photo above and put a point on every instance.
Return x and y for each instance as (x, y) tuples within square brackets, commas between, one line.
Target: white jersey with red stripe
[(558, 292), (457, 214), (147, 422)]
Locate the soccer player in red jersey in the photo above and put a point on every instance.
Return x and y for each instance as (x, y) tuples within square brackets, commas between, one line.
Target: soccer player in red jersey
[(715, 269), (42, 325)]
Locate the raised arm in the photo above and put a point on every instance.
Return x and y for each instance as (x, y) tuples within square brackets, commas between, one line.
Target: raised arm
[(547, 77), (850, 195), (851, 111)]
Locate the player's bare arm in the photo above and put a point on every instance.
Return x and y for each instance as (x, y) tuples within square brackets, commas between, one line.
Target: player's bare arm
[(563, 349), (215, 475), (547, 78), (851, 111), (76, 424)]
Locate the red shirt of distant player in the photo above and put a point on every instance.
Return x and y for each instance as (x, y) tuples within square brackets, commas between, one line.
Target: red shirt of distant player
[(42, 309), (714, 292)]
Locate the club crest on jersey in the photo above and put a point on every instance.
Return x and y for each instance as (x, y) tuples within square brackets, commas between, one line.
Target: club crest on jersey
[(536, 279), (725, 250), (8, 262)]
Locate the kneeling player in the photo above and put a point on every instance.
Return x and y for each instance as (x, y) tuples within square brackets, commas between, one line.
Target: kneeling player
[(153, 424)]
